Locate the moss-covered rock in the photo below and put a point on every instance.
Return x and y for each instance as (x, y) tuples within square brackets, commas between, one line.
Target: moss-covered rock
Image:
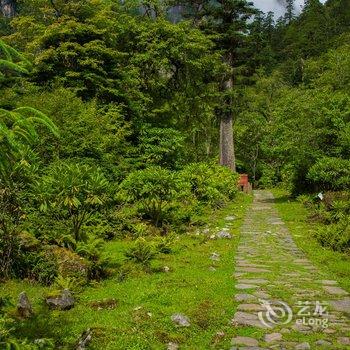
[(71, 264)]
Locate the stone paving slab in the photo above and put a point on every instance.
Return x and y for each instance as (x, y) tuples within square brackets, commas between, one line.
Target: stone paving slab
[(275, 279)]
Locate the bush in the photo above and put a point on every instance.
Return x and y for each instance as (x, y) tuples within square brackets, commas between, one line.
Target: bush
[(21, 256), (306, 200), (92, 251), (161, 146), (72, 192), (210, 184), (141, 252), (330, 174), (152, 190), (62, 283), (44, 268), (334, 212), (165, 245), (336, 236), (10, 255), (331, 198), (163, 196), (268, 177)]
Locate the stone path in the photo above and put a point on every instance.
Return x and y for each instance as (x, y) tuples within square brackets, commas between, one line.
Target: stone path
[(283, 300)]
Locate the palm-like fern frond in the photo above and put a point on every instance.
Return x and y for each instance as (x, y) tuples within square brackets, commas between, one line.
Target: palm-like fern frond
[(12, 61), (18, 128)]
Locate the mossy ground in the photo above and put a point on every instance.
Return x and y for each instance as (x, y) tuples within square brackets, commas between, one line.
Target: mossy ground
[(145, 301)]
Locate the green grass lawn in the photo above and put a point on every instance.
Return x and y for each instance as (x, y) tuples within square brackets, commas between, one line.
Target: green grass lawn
[(295, 215), (145, 301)]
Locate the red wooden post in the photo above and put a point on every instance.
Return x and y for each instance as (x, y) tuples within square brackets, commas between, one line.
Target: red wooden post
[(243, 183)]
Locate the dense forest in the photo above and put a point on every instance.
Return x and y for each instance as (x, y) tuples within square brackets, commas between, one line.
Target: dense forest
[(122, 120)]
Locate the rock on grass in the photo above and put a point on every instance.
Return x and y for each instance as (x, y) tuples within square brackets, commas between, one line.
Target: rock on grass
[(64, 301), (180, 320)]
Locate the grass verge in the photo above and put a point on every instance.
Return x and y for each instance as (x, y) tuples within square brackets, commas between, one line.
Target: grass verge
[(140, 315), (295, 215)]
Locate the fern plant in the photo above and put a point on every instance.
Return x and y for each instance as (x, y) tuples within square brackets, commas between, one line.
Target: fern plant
[(12, 63), (18, 129), (141, 252), (18, 126), (92, 250)]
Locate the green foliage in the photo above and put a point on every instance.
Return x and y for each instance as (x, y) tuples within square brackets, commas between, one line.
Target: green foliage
[(8, 327), (174, 197), (141, 252), (333, 211), (41, 267), (162, 146), (331, 174), (11, 63), (292, 128), (336, 236), (331, 70), (18, 130), (5, 339), (77, 54), (210, 184), (152, 190), (9, 251), (137, 99), (106, 144), (268, 177), (72, 191), (26, 261), (61, 283), (165, 246), (92, 250), (136, 62)]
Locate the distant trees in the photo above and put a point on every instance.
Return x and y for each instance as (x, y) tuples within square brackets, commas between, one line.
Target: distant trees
[(289, 133), (228, 22), (155, 71), (232, 25), (290, 10)]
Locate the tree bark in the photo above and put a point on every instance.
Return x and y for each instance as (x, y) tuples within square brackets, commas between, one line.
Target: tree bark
[(8, 8), (227, 150)]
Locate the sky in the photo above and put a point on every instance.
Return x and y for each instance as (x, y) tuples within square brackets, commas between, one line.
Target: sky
[(276, 6)]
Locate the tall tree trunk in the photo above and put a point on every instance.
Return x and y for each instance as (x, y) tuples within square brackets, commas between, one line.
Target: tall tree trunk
[(227, 150), (8, 8)]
